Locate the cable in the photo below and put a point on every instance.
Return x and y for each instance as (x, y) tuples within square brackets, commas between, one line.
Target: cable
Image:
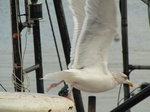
[(53, 33), (3, 87), (25, 47), (119, 93), (18, 85), (26, 78), (131, 94)]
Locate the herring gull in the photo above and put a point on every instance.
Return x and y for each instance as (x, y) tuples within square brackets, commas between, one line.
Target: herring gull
[(95, 28)]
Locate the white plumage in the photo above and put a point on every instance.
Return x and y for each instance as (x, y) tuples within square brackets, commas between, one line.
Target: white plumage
[(95, 28), (78, 11)]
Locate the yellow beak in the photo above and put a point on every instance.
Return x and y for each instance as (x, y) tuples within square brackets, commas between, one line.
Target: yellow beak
[(129, 83)]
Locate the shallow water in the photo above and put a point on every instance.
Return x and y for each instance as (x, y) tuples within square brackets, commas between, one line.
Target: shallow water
[(139, 33)]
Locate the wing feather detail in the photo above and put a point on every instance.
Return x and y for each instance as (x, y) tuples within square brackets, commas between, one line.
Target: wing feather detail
[(78, 10), (98, 31)]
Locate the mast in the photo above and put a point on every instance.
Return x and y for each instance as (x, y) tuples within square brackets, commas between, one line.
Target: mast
[(17, 53)]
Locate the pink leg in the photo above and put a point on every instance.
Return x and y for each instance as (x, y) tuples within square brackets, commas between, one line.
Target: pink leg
[(54, 85)]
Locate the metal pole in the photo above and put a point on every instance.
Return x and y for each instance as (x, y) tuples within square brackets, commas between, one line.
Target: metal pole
[(92, 104), (30, 69), (38, 56), (26, 3), (133, 101), (63, 29), (66, 46), (139, 67), (124, 25), (78, 100), (16, 41)]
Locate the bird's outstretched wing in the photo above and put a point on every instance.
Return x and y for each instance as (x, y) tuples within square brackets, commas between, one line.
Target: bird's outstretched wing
[(78, 10), (98, 31)]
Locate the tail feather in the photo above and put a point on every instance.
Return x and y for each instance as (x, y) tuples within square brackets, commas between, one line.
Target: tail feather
[(65, 75)]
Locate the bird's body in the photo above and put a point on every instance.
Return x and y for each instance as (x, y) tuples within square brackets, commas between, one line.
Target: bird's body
[(95, 28), (82, 80)]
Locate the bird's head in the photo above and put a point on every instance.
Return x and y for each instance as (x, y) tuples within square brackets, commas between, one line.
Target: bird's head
[(121, 78)]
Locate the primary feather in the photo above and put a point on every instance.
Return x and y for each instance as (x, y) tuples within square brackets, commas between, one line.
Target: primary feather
[(78, 10)]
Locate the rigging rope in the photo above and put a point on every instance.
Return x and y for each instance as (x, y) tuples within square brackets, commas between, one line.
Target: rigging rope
[(131, 94), (20, 84), (53, 33), (119, 93), (3, 87), (25, 47)]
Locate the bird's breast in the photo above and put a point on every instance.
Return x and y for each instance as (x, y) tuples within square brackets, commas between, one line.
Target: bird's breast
[(94, 84)]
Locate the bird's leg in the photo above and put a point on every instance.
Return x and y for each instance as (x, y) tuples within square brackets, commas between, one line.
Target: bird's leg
[(54, 85)]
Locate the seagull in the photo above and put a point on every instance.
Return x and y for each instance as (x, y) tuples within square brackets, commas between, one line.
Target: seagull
[(95, 27)]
